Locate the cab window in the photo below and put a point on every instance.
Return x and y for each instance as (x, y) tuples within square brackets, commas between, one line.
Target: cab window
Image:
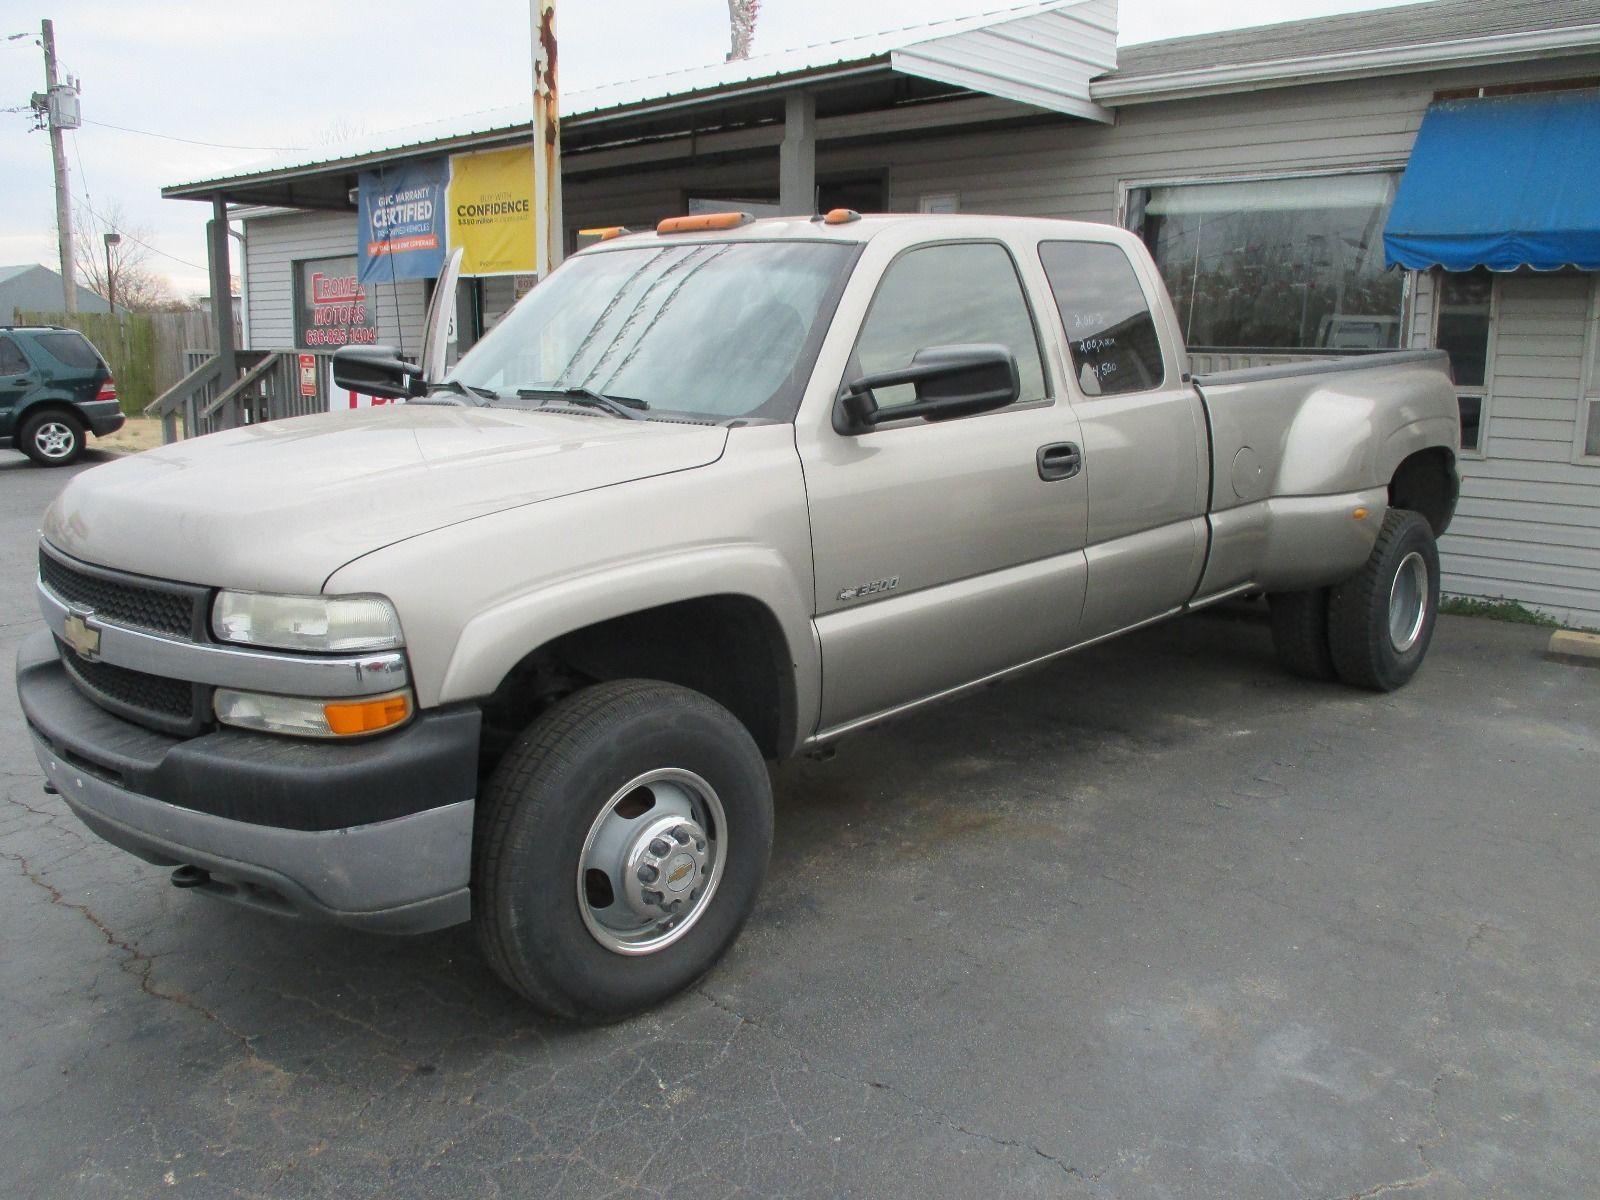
[(1110, 332), (944, 295)]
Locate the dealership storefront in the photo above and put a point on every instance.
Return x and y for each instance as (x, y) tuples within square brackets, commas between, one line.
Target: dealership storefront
[(1263, 168)]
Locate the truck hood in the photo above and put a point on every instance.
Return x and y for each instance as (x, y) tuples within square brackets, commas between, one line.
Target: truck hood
[(281, 506)]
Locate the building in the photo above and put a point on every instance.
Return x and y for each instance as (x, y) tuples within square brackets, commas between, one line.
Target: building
[(30, 288), (1261, 166)]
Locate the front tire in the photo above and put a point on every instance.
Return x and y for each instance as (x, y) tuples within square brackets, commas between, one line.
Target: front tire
[(620, 846), (1381, 620), (52, 438)]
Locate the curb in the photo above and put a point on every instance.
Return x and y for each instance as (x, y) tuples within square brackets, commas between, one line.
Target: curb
[(1579, 649)]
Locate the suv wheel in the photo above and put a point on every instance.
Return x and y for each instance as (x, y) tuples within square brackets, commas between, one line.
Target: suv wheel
[(52, 438), (620, 846)]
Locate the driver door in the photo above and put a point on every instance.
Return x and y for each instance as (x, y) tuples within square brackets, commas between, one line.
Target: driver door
[(944, 551)]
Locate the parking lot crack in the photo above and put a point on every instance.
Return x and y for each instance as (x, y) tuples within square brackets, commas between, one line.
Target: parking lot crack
[(1398, 1185), (138, 963)]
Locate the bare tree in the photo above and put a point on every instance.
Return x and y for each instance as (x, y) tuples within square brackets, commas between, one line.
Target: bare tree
[(138, 286), (742, 27)]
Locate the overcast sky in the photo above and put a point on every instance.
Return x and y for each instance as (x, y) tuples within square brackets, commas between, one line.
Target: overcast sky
[(294, 73)]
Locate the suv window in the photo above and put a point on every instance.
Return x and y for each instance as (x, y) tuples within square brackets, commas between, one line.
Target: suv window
[(952, 294), (12, 360), (70, 349), (1110, 331)]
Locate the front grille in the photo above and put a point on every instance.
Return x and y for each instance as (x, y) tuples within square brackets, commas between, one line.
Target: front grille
[(174, 609), (170, 705)]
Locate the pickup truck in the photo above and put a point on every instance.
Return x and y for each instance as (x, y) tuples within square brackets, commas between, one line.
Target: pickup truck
[(518, 651)]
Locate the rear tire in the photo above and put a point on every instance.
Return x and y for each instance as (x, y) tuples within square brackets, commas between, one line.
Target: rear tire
[(1381, 619), (52, 438), (1300, 632), (567, 800)]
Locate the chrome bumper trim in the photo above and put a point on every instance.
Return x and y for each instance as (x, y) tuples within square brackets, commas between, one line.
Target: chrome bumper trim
[(227, 666)]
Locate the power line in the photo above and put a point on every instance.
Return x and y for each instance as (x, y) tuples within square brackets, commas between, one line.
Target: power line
[(141, 241), (187, 141)]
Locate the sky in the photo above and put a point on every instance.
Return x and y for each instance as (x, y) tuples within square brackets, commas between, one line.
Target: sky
[(256, 78)]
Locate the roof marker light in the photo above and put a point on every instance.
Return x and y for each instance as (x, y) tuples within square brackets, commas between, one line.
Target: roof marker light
[(702, 222), (605, 232), (841, 216)]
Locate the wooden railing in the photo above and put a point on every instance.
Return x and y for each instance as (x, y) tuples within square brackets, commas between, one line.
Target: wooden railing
[(266, 388)]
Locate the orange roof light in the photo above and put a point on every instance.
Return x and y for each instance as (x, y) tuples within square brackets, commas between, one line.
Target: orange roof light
[(840, 216), (347, 718), (604, 232), (703, 222)]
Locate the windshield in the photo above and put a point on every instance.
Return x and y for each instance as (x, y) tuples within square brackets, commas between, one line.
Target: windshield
[(715, 330)]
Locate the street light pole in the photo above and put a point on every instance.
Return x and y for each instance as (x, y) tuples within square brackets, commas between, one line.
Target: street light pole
[(111, 239)]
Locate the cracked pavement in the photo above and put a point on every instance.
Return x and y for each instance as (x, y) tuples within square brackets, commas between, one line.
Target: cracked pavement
[(1158, 921)]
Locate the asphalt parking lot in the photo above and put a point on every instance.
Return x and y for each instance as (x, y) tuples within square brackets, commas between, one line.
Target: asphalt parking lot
[(1159, 921)]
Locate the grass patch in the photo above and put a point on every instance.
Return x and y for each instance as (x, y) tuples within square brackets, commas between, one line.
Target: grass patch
[(1496, 610)]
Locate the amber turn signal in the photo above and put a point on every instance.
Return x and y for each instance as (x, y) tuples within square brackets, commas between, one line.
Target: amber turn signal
[(1360, 514), (347, 718), (702, 222)]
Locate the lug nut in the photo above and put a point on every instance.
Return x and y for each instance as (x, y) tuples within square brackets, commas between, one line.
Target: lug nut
[(648, 874), (700, 843), (650, 897), (660, 848), (680, 835)]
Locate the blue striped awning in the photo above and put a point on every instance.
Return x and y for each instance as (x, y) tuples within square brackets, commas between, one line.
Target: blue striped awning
[(1505, 182)]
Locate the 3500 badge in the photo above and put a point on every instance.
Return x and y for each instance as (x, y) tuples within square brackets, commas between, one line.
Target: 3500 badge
[(870, 589)]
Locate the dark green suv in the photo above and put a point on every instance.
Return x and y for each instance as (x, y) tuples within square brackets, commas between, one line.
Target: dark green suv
[(54, 390)]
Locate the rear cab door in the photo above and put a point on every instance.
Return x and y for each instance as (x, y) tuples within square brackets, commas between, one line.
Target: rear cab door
[(943, 551), (1146, 450)]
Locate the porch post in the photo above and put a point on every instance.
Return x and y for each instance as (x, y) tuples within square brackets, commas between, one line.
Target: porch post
[(797, 156), (222, 290)]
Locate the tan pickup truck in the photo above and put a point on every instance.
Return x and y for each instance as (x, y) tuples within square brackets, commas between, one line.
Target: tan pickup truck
[(518, 651)]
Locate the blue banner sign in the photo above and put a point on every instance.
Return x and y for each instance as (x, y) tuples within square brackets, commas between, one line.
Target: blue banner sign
[(402, 221)]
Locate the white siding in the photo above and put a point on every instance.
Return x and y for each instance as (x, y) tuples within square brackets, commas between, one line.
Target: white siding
[(274, 244), (1528, 527)]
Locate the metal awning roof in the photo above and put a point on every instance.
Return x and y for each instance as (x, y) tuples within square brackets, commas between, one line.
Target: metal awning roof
[(1502, 183), (1041, 54)]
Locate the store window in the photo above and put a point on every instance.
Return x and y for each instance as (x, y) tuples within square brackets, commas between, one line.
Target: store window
[(1462, 328), (1589, 410), (331, 306), (1275, 264)]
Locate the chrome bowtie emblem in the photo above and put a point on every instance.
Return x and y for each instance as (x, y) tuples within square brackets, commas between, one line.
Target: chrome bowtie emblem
[(81, 636)]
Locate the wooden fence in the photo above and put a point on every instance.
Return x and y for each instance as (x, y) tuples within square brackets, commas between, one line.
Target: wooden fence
[(145, 349)]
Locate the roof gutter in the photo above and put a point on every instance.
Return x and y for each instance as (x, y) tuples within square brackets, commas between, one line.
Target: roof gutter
[(1350, 64)]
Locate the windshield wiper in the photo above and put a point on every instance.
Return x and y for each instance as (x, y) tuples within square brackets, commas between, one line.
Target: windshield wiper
[(479, 395), (622, 406)]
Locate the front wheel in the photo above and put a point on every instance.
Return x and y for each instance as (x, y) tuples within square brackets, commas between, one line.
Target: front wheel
[(620, 846), (52, 439), (1380, 620)]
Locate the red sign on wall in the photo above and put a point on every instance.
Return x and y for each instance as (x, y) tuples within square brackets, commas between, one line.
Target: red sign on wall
[(308, 374)]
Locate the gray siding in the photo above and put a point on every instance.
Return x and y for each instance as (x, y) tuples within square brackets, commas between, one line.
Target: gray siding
[(273, 244)]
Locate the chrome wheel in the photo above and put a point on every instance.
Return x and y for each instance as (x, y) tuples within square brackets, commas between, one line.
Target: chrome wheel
[(1408, 602), (652, 861), (55, 440)]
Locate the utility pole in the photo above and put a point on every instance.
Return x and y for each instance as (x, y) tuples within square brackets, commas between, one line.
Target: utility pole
[(550, 232), (54, 116)]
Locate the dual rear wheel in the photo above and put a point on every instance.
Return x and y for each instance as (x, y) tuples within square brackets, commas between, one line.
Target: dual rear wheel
[(1372, 630)]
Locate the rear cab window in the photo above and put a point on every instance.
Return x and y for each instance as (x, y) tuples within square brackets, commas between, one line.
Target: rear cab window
[(69, 348), (1111, 333), (946, 294)]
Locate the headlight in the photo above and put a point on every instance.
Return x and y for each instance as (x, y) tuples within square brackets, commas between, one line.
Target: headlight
[(325, 623), (304, 717)]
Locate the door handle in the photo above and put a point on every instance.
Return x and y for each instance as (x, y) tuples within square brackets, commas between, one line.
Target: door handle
[(1059, 460)]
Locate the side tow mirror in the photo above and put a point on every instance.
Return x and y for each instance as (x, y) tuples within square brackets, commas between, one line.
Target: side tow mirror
[(951, 381), (377, 371)]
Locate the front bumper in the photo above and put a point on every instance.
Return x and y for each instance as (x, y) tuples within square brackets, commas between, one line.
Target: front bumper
[(104, 416), (375, 834)]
